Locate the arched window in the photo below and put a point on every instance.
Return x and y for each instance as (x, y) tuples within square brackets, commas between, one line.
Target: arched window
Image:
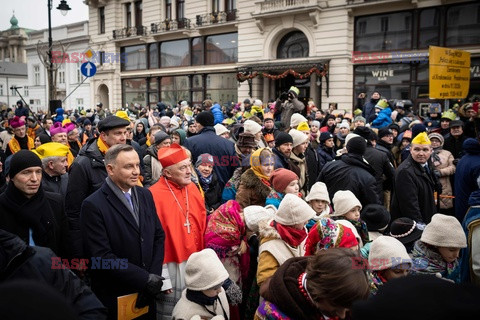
[(293, 45)]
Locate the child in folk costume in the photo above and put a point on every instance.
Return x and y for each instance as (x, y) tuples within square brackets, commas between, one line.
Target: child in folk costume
[(283, 181), (226, 235), (347, 207), (283, 237), (388, 259), (204, 295), (438, 249), (319, 200)]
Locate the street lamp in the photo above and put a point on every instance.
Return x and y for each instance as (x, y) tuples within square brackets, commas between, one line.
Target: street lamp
[(64, 8)]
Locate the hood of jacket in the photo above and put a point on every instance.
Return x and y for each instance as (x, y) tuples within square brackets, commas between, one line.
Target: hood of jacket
[(11, 246), (357, 161), (152, 151), (474, 199)]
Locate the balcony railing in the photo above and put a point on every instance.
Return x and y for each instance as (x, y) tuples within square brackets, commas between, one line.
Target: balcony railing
[(281, 5), (129, 32), (216, 17), (170, 25)]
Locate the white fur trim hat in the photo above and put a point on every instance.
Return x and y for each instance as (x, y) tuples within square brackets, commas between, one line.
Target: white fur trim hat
[(444, 231), (344, 201), (251, 127), (220, 129), (298, 137), (296, 119), (204, 270), (254, 214), (293, 210), (387, 252), (318, 192)]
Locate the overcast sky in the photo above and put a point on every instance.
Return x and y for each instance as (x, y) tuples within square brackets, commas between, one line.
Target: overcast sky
[(33, 14)]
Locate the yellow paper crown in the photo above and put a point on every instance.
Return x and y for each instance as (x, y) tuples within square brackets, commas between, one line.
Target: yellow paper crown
[(303, 126), (51, 149), (421, 138), (123, 115)]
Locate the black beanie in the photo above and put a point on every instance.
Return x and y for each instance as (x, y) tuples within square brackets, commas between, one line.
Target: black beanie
[(357, 145), (282, 137), (364, 132), (22, 160), (205, 118)]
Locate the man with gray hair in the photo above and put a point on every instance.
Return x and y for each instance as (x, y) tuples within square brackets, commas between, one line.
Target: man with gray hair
[(123, 235), (54, 165)]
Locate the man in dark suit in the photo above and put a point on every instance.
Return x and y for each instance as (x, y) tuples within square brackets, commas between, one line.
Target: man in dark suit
[(122, 235)]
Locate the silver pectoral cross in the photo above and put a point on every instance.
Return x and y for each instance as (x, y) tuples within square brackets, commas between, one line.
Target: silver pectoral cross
[(187, 224)]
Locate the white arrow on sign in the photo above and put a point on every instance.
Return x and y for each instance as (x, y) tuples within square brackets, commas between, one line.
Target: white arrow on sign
[(88, 67)]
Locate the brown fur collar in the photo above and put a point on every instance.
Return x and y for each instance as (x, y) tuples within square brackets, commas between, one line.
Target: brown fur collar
[(251, 181), (266, 231)]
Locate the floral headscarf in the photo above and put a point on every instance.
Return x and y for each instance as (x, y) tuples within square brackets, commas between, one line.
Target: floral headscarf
[(256, 165), (326, 234)]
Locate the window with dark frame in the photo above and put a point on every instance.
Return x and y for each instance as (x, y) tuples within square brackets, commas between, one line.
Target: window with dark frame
[(180, 9), (293, 45), (101, 20), (215, 5), (128, 15), (168, 9), (138, 14)]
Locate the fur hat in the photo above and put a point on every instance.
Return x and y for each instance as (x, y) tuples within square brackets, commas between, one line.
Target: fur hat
[(293, 210), (252, 127), (254, 214), (376, 216), (204, 270), (344, 201), (318, 192), (220, 129), (444, 231), (296, 119), (298, 137), (246, 140), (281, 178), (386, 253)]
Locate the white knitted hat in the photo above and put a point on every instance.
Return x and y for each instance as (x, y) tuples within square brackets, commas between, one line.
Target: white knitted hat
[(444, 231), (251, 127), (344, 201), (254, 214), (318, 192), (298, 137), (204, 270), (350, 136), (293, 210), (220, 129), (387, 252), (296, 119)]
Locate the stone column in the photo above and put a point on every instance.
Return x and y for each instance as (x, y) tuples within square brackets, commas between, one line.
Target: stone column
[(266, 90), (314, 90)]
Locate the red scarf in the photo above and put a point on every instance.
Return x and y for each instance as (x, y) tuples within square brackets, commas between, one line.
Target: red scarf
[(290, 235)]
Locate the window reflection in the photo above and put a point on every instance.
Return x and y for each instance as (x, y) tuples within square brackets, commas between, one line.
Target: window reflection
[(135, 58), (174, 53), (293, 45), (222, 48), (463, 25)]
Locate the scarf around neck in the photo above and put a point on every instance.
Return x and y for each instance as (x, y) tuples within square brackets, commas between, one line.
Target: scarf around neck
[(204, 182), (292, 236)]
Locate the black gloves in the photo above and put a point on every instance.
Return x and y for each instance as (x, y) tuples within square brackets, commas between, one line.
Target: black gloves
[(152, 289)]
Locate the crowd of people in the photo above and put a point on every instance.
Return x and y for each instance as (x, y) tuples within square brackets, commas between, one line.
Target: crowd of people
[(248, 211)]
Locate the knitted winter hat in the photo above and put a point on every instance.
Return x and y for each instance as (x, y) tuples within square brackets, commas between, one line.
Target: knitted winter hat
[(344, 201), (356, 145), (296, 119), (444, 231), (280, 179), (204, 270), (375, 216), (252, 127), (326, 234), (386, 253), (418, 128), (438, 136), (160, 136), (205, 118), (298, 137), (315, 123), (324, 136), (204, 158), (283, 137), (383, 132), (220, 129), (344, 124), (293, 210), (359, 118), (254, 214), (22, 160), (318, 192), (364, 132)]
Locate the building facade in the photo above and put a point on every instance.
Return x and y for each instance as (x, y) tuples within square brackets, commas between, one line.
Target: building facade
[(72, 87), (227, 50)]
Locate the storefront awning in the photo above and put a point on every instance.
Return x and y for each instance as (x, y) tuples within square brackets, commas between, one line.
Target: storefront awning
[(282, 66)]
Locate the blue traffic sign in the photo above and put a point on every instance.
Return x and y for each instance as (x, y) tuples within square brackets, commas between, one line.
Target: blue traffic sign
[(88, 69)]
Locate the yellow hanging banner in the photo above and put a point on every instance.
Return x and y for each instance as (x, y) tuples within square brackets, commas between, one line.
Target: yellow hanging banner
[(449, 73)]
